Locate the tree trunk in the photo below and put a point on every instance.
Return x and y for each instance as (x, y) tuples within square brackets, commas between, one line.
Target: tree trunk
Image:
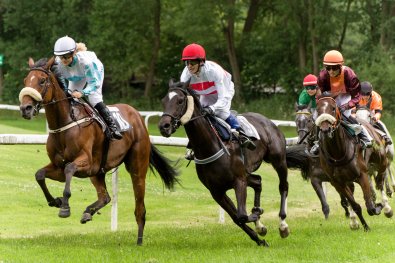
[(155, 50), (313, 37), (230, 42), (345, 24)]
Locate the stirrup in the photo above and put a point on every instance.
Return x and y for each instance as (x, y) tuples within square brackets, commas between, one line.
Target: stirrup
[(387, 140), (189, 155)]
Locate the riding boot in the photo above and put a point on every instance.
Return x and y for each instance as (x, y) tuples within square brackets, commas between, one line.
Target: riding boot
[(364, 136), (105, 113), (239, 134), (379, 125)]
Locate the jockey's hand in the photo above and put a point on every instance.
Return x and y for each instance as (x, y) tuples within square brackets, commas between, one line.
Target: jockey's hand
[(374, 119), (77, 94), (207, 111), (344, 107)]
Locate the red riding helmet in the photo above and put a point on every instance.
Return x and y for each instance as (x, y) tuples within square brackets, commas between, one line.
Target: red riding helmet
[(193, 51), (310, 80)]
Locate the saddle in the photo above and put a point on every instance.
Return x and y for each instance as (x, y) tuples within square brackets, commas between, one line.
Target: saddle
[(121, 123), (224, 131)]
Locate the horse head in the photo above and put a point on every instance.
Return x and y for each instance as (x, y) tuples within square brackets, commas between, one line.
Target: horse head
[(328, 113), (180, 104), (38, 88), (304, 121)]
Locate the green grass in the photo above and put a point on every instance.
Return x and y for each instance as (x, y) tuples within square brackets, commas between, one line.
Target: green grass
[(182, 225)]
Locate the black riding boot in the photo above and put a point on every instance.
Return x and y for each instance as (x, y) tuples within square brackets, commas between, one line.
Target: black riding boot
[(105, 113), (363, 137), (246, 141)]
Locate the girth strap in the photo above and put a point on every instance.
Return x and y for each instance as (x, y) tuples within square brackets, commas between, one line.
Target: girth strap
[(211, 158)]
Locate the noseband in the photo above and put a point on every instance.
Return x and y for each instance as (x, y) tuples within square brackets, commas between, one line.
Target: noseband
[(48, 82), (176, 121)]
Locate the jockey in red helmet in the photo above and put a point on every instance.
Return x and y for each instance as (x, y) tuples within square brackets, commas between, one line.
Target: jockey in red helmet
[(213, 84)]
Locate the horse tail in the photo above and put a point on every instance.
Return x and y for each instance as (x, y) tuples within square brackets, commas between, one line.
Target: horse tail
[(167, 172), (297, 158)]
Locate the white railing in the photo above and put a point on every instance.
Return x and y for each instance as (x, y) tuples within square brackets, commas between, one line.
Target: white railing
[(157, 140)]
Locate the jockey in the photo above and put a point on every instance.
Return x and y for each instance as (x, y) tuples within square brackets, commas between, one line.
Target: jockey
[(215, 87), (308, 97), (372, 100), (337, 78), (85, 74), (308, 94)]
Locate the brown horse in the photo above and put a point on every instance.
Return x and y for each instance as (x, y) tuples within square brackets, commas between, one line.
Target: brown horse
[(222, 166), (298, 157), (77, 146), (342, 158)]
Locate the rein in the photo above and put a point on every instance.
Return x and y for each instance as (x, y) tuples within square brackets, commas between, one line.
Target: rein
[(333, 128), (176, 123), (40, 104)]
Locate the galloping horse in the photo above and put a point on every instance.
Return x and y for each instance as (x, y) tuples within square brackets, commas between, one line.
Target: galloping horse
[(222, 166), (363, 113), (76, 145), (342, 159), (310, 167)]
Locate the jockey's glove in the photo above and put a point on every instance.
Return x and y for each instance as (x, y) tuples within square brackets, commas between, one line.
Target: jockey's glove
[(207, 111)]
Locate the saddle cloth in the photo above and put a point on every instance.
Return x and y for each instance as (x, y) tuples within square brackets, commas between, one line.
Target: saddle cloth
[(122, 125), (224, 129)]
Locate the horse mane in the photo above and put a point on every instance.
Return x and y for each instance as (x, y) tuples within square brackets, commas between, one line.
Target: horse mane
[(40, 63), (297, 158)]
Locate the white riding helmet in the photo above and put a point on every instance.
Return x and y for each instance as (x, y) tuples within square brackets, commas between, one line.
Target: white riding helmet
[(64, 45)]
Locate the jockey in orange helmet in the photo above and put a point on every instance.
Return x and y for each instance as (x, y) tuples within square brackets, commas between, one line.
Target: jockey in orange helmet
[(341, 80), (372, 100), (214, 85)]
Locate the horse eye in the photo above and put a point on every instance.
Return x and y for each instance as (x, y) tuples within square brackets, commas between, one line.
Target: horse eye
[(42, 81), (180, 101)]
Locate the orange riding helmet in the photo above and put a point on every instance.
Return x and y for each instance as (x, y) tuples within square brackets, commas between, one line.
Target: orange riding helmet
[(333, 57)]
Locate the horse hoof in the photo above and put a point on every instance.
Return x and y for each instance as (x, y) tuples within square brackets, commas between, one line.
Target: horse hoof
[(389, 214), (262, 231), (57, 202), (284, 233), (262, 243), (85, 218), (354, 226), (64, 212)]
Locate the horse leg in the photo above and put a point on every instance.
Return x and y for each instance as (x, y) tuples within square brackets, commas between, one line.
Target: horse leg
[(380, 179), (391, 174), (317, 185), (282, 172), (345, 191), (363, 181), (226, 203), (137, 163), (388, 189), (240, 188), (69, 171), (103, 198), (54, 173), (254, 181), (374, 196)]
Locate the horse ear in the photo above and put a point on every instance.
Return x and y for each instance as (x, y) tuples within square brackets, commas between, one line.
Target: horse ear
[(186, 84), (171, 82), (50, 62), (309, 106), (31, 62), (296, 106)]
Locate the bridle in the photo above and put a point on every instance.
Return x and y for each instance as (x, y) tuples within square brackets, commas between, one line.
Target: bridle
[(176, 120), (47, 84), (304, 129)]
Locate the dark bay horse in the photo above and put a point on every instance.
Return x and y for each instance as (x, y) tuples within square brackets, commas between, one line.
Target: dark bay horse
[(298, 157), (220, 171), (76, 145), (342, 158)]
